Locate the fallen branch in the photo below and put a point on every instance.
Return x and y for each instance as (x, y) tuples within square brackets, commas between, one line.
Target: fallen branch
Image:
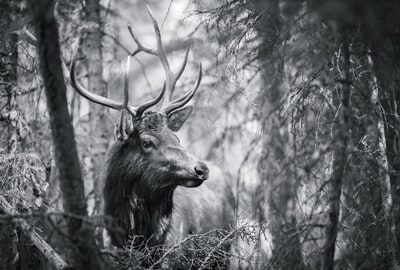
[(47, 251)]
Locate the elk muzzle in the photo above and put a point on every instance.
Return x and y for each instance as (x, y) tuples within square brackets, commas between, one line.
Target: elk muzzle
[(199, 173), (202, 170)]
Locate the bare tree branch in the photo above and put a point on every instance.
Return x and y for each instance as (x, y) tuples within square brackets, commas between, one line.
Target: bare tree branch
[(47, 251)]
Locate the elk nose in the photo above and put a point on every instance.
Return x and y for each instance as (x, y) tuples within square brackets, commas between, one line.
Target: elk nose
[(202, 170)]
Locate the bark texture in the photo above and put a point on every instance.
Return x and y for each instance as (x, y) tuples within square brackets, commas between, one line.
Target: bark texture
[(99, 133), (71, 183)]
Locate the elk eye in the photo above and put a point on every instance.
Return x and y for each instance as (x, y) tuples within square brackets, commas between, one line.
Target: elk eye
[(147, 144)]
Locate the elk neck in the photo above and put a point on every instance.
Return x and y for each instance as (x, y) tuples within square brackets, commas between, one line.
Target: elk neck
[(150, 216)]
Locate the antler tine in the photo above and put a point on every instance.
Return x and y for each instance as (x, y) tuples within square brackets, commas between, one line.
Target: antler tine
[(197, 82), (140, 110), (177, 75), (141, 47), (135, 111), (160, 49), (89, 95), (171, 77), (181, 101), (132, 110)]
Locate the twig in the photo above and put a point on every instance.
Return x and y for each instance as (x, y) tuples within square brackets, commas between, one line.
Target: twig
[(176, 245), (47, 251), (117, 42), (215, 248)]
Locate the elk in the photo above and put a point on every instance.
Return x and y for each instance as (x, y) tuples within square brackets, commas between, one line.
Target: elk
[(154, 188)]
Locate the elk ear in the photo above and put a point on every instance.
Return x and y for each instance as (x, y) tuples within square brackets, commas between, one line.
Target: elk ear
[(124, 126), (177, 118)]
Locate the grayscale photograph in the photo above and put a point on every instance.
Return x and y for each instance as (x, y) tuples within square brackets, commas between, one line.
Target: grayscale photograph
[(199, 134)]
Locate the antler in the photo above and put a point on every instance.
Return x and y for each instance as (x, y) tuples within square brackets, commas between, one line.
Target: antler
[(168, 105), (135, 111)]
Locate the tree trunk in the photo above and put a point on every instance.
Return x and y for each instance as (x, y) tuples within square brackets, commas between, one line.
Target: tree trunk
[(381, 32), (80, 233), (340, 142), (286, 244), (386, 59), (384, 172), (99, 131)]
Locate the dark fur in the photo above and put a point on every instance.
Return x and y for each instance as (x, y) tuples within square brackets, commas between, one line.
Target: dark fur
[(143, 194)]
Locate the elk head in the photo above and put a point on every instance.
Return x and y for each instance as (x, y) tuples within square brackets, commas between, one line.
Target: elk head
[(147, 162)]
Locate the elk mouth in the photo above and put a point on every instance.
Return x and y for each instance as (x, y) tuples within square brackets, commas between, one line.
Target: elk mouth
[(195, 177), (192, 182)]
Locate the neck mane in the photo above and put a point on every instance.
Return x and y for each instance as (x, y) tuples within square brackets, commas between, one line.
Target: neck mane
[(136, 211), (149, 216)]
